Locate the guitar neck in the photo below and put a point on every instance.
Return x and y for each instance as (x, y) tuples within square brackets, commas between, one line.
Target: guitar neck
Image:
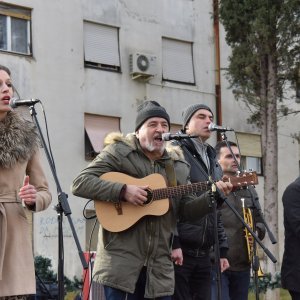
[(180, 190)]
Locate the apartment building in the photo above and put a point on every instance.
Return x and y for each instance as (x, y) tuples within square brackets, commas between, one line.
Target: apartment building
[(92, 62)]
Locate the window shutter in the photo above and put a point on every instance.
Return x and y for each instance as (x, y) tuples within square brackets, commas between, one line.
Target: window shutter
[(250, 144), (97, 127), (177, 61), (101, 44)]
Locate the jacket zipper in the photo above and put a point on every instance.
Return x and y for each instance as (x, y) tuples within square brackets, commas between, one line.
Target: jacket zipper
[(149, 244), (204, 235), (151, 228)]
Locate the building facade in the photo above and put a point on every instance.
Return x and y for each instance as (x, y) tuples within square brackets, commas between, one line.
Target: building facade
[(92, 62)]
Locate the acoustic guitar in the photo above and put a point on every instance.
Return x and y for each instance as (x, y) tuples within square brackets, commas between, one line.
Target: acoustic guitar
[(116, 217)]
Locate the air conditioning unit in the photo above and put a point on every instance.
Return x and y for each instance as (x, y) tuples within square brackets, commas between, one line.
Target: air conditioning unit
[(142, 66)]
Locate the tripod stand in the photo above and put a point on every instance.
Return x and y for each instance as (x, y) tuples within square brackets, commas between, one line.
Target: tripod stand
[(61, 207)]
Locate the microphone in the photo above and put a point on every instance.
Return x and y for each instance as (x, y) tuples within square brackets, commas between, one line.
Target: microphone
[(20, 102), (178, 136), (214, 127)]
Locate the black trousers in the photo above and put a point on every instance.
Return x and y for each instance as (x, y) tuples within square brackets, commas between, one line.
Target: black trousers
[(193, 278), (295, 295)]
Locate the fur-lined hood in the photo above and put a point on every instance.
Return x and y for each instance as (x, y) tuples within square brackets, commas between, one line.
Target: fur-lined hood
[(18, 140), (174, 151)]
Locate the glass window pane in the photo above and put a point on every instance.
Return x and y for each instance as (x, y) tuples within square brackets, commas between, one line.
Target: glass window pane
[(3, 33), (19, 35), (253, 163)]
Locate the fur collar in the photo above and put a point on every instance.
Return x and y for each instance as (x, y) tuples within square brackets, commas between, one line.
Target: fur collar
[(174, 151), (18, 140)]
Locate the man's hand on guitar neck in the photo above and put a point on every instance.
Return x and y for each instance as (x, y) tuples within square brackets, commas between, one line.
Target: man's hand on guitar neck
[(136, 195), (224, 186), (223, 189)]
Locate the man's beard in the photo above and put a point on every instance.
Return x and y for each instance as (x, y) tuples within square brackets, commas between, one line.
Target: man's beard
[(151, 148)]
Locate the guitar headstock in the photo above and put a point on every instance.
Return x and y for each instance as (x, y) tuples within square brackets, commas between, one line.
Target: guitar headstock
[(244, 179)]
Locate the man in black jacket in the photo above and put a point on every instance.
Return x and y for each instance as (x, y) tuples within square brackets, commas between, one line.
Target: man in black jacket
[(194, 240), (290, 269)]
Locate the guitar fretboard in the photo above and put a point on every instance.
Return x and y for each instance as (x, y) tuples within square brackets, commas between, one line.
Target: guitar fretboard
[(180, 190)]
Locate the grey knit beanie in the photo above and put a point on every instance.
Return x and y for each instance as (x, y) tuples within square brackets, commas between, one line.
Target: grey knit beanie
[(189, 112), (147, 110)]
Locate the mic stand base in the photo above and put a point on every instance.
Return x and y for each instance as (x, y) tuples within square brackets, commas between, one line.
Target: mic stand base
[(60, 269)]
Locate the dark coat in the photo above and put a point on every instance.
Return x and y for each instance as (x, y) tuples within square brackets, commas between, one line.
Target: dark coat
[(200, 234), (290, 269), (238, 255)]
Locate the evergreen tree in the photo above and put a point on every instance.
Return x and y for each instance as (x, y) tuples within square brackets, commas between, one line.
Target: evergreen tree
[(264, 36)]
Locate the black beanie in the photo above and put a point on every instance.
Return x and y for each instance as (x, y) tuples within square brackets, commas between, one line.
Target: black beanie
[(190, 110), (147, 110)]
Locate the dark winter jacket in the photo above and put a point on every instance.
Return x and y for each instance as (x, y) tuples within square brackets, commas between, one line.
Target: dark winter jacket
[(200, 234), (290, 269), (238, 255)]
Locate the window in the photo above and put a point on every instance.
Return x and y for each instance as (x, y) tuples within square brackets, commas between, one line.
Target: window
[(101, 46), (252, 163), (175, 128), (96, 128), (251, 154), (15, 29), (177, 61)]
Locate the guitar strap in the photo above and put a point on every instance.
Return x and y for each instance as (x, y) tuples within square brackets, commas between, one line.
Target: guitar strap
[(170, 172)]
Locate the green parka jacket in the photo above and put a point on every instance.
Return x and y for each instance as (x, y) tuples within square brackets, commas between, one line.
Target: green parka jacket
[(121, 256)]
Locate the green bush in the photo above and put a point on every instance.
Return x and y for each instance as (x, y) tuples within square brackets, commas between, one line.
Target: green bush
[(43, 268), (266, 282)]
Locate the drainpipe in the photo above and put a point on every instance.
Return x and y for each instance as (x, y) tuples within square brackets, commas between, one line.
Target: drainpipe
[(217, 66)]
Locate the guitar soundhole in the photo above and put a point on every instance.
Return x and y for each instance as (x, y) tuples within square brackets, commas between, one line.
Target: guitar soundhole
[(149, 197)]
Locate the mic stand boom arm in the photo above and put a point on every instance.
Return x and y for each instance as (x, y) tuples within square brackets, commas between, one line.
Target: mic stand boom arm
[(254, 198), (262, 219), (268, 253), (61, 207)]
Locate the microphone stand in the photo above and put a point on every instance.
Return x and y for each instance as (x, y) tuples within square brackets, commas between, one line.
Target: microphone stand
[(215, 218), (258, 208), (255, 199), (255, 259), (255, 265), (61, 207), (216, 237), (268, 253)]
